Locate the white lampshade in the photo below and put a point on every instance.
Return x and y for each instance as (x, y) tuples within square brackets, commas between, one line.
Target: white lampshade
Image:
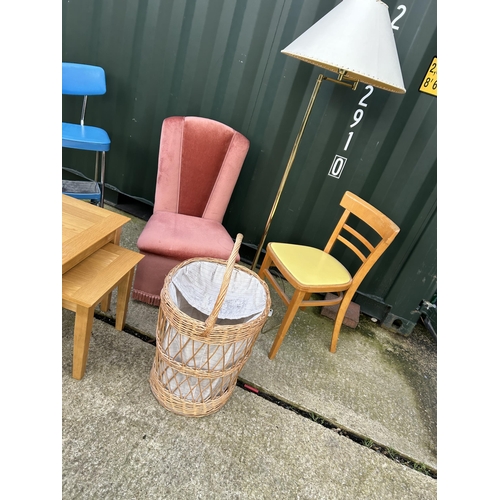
[(355, 36)]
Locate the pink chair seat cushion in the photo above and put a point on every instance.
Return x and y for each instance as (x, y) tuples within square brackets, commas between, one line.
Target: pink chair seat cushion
[(184, 237)]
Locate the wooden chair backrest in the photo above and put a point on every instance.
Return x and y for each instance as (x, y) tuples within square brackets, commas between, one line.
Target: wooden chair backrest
[(366, 252)]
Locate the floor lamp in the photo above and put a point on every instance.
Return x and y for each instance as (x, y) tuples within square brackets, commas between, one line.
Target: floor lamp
[(354, 40)]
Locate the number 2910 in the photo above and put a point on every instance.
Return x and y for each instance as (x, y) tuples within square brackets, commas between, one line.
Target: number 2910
[(339, 162)]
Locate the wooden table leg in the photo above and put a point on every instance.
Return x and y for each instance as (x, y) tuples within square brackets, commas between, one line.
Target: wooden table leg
[(124, 288), (81, 339), (106, 300)]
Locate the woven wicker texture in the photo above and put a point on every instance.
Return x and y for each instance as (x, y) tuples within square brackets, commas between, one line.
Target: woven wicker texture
[(198, 357)]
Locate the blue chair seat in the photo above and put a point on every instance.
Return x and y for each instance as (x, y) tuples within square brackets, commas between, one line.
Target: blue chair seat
[(84, 137)]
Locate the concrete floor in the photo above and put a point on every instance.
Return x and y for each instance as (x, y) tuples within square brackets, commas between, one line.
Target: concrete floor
[(365, 425)]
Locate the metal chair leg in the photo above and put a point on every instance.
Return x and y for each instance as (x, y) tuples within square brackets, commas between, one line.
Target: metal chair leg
[(103, 168)]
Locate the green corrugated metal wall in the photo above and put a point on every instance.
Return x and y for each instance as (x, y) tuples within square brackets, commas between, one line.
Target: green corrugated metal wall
[(221, 59)]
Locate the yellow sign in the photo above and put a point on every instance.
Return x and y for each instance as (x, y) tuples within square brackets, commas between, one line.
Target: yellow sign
[(430, 82)]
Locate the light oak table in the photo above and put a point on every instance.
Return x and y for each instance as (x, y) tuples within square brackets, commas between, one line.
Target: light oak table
[(87, 283), (86, 228), (93, 265)]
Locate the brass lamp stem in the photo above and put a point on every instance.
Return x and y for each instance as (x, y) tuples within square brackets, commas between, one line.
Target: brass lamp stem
[(287, 169), (320, 79)]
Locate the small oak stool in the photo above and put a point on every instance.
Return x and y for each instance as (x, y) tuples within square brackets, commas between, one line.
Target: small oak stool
[(91, 282)]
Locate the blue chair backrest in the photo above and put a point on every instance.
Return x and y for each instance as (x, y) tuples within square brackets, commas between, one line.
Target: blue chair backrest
[(83, 79)]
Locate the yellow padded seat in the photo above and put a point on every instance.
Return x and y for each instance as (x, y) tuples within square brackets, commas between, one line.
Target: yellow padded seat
[(311, 266)]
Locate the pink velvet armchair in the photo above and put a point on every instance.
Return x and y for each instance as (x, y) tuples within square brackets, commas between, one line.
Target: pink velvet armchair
[(198, 166)]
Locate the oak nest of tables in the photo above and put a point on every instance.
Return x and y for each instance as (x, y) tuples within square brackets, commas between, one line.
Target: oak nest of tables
[(93, 265)]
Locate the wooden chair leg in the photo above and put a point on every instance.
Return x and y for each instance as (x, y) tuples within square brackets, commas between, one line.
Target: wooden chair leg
[(344, 305), (124, 288), (307, 296), (287, 320), (266, 263), (81, 339)]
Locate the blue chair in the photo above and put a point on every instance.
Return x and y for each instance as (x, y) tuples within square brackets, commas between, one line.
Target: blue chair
[(84, 80)]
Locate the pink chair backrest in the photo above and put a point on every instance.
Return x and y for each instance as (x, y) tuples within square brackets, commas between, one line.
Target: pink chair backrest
[(198, 166)]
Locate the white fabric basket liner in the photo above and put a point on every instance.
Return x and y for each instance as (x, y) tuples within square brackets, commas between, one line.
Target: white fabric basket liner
[(194, 290), (198, 285)]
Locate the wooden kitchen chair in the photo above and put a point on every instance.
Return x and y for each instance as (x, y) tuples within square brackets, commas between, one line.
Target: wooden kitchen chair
[(311, 270)]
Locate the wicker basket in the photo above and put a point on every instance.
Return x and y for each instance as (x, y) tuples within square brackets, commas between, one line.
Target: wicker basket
[(202, 346)]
